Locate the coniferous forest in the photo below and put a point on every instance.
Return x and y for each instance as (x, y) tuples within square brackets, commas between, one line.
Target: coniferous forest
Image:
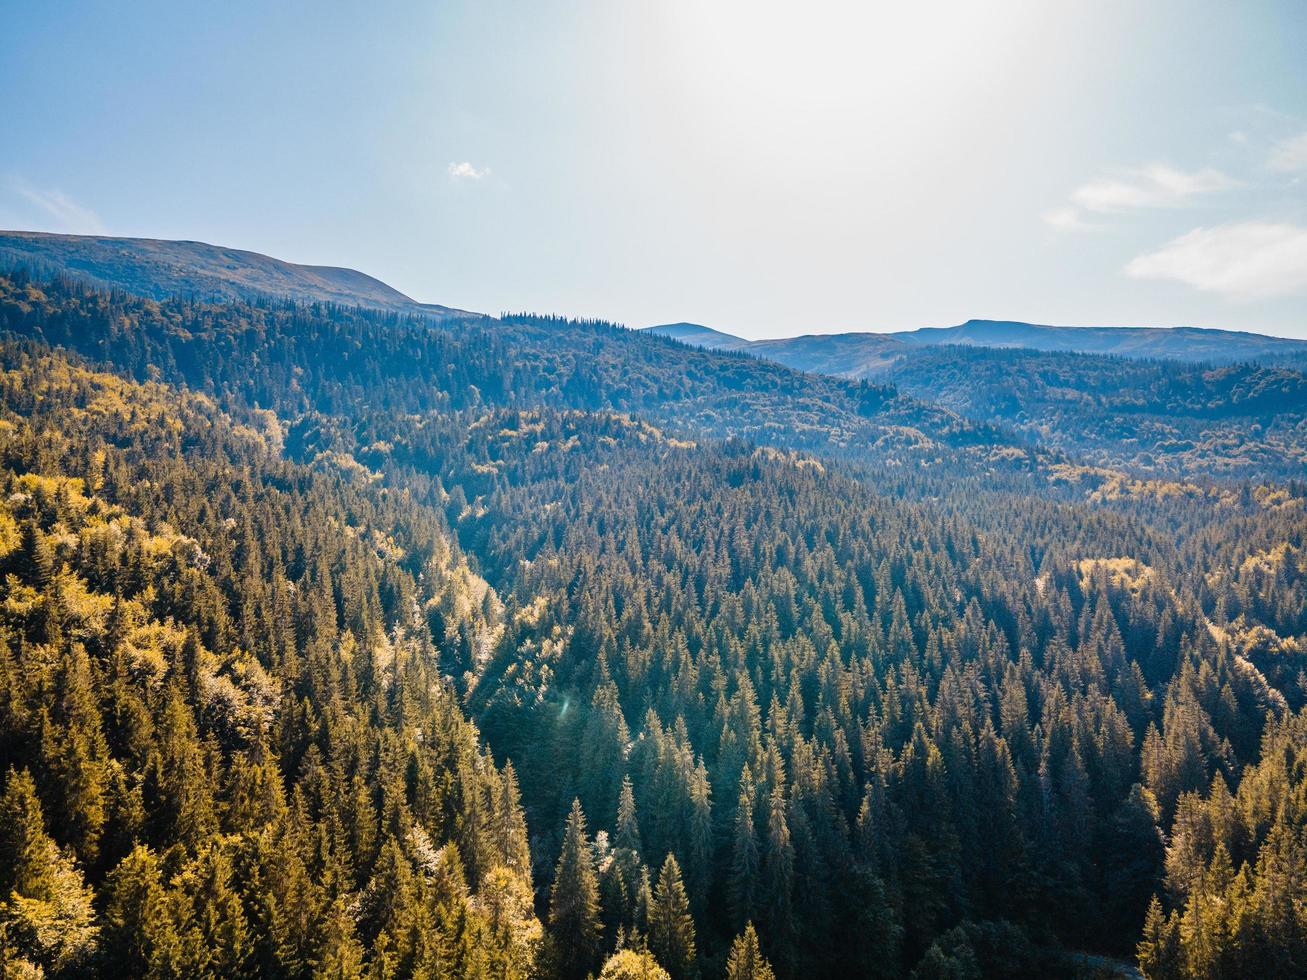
[(339, 642)]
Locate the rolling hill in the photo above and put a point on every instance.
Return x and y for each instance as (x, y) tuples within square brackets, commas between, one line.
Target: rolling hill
[(697, 335), (158, 269)]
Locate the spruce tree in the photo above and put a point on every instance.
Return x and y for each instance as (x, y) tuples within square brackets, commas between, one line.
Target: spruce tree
[(742, 882), (745, 961), (34, 558), (632, 964), (1159, 949), (671, 927), (46, 914), (628, 826), (778, 873), (576, 931)]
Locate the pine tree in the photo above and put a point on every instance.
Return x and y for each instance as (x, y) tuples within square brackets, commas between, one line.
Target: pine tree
[(745, 961), (508, 825), (778, 873), (574, 921), (700, 850), (505, 899), (35, 559), (46, 914), (671, 927), (221, 937), (631, 964), (628, 826), (1159, 949), (73, 751), (139, 937), (340, 955), (741, 885), (603, 753), (1134, 840)]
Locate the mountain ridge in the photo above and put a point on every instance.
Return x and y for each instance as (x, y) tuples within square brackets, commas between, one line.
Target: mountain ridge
[(158, 268), (865, 354)]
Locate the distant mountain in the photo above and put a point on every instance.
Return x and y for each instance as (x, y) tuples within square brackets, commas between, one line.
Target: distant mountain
[(697, 335), (1176, 343), (845, 355), (158, 269), (864, 355)]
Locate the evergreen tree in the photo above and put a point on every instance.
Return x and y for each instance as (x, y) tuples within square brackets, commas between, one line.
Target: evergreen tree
[(340, 956), (139, 937), (630, 964), (574, 913), (1159, 949), (34, 562), (46, 914), (671, 928), (742, 883), (746, 961), (628, 826)]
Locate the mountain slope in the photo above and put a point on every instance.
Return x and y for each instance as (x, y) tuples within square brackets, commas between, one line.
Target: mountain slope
[(697, 335), (845, 355), (158, 269), (375, 360), (1168, 417), (201, 648)]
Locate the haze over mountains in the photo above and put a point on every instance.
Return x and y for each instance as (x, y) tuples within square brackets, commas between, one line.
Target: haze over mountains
[(863, 355), (158, 268), (1173, 402)]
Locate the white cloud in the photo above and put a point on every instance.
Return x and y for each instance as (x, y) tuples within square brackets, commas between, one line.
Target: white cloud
[(63, 213), (465, 171), (1066, 219), (1248, 260), (1290, 155), (1154, 186)]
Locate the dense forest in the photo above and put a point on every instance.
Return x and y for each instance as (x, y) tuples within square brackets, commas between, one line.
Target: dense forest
[(1243, 421), (350, 643)]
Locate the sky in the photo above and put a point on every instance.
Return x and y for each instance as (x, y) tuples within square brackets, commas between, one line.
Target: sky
[(764, 168)]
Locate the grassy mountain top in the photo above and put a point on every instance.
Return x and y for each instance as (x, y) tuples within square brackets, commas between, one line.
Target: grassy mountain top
[(158, 269)]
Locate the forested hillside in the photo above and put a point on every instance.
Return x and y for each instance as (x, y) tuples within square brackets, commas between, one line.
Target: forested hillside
[(774, 674), (350, 364), (1199, 420), (226, 744)]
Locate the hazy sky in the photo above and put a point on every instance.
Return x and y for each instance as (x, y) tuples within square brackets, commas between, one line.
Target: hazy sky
[(764, 168)]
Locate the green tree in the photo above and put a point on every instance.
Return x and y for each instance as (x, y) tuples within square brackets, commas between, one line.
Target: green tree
[(34, 558), (745, 960), (742, 882), (574, 922), (139, 937), (628, 826), (671, 927), (46, 912), (630, 964), (340, 954)]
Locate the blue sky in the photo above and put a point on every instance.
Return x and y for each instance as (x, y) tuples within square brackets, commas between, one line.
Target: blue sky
[(765, 168)]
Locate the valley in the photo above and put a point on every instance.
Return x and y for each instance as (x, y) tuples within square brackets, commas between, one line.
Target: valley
[(523, 645)]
